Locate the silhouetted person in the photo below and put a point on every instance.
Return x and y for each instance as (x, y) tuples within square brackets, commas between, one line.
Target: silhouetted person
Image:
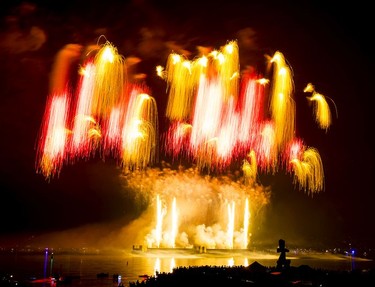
[(282, 262)]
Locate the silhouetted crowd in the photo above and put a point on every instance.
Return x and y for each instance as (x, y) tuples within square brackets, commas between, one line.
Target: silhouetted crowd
[(257, 275)]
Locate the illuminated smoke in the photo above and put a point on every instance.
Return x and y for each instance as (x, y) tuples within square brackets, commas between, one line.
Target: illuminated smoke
[(211, 211)]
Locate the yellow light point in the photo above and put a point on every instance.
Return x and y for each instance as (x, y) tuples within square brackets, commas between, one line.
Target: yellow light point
[(202, 61), (83, 71), (214, 54), (110, 78), (187, 65), (220, 58), (200, 67), (282, 104), (135, 132), (108, 54), (229, 48), (176, 59), (263, 81), (309, 173), (181, 85), (278, 58), (160, 72), (309, 88)]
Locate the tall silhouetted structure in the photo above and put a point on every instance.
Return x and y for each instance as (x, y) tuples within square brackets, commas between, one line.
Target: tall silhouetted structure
[(282, 262)]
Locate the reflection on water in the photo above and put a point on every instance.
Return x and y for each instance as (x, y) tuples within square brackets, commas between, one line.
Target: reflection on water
[(134, 266)]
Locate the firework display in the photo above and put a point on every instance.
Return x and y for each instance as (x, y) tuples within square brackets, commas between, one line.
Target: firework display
[(219, 117)]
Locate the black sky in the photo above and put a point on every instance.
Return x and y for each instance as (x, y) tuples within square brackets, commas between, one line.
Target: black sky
[(328, 45)]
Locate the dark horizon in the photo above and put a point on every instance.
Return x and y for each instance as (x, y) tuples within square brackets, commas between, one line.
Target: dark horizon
[(325, 46)]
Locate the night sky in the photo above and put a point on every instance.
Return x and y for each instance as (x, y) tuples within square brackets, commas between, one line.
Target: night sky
[(328, 46)]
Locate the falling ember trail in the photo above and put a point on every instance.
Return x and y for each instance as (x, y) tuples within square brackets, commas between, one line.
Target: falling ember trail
[(159, 221), (174, 223), (246, 220), (230, 230)]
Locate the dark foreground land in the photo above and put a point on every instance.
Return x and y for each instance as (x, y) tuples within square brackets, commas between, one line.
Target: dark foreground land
[(258, 275), (255, 275)]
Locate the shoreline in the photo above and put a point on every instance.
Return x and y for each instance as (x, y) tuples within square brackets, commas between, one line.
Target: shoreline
[(258, 275)]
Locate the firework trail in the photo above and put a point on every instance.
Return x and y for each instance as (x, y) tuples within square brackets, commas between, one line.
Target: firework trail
[(282, 105), (140, 131), (322, 111), (109, 80), (307, 167), (52, 144), (83, 121)]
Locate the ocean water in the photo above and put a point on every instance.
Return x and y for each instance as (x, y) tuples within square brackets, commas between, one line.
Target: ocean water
[(129, 266)]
